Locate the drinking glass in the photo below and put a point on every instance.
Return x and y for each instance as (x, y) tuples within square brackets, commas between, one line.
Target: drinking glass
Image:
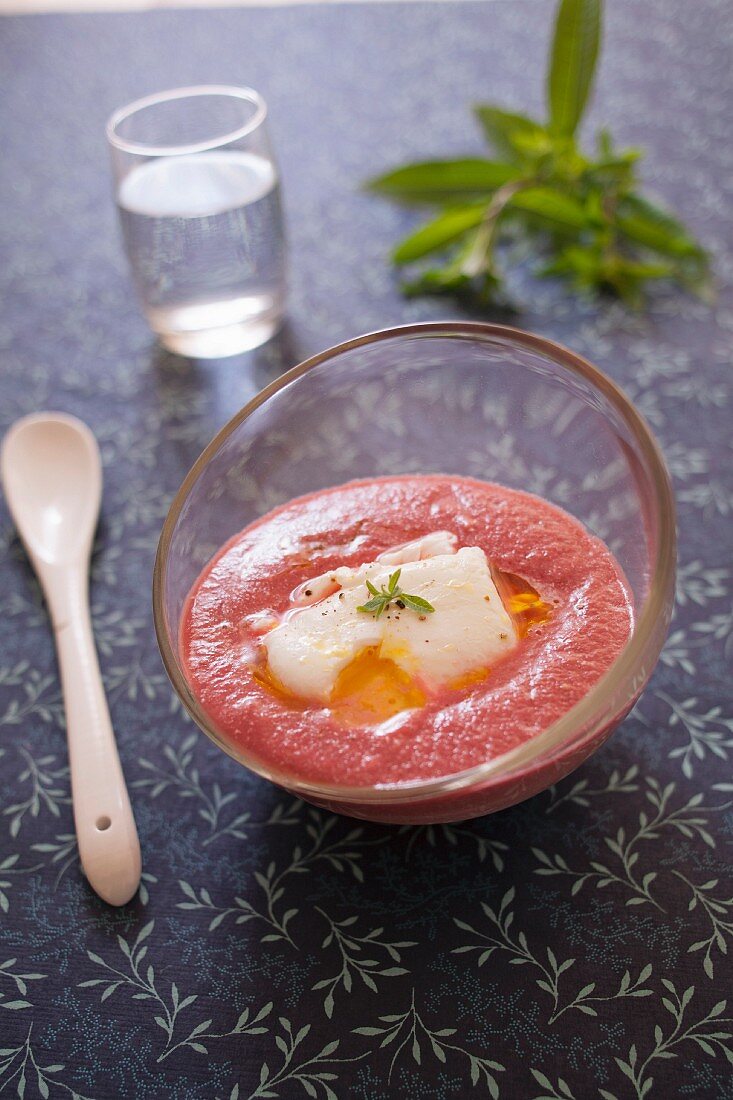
[(198, 194)]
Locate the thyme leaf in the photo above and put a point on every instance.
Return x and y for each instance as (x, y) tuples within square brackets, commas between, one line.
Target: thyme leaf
[(392, 593)]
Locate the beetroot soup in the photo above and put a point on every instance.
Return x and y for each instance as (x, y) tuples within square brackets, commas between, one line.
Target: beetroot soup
[(401, 628)]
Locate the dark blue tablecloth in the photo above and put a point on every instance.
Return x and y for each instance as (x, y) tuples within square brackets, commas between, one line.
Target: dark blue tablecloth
[(576, 946)]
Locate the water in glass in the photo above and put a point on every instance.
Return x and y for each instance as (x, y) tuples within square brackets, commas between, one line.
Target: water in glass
[(204, 235)]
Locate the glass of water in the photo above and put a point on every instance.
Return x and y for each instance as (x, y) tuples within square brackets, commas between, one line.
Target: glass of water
[(198, 194)]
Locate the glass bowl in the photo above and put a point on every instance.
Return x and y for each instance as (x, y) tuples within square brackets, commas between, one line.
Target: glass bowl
[(478, 400)]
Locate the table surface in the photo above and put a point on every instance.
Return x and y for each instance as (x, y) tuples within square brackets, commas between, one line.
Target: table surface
[(570, 947)]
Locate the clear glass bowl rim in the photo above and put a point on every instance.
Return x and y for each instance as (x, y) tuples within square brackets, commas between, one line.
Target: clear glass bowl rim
[(141, 148), (558, 737)]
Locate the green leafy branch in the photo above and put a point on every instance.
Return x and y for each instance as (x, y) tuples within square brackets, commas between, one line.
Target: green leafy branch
[(515, 944), (307, 1073), (698, 584), (718, 628), (106, 557), (452, 834), (13, 675), (38, 700), (133, 682), (354, 963), (341, 854), (144, 983), (202, 1033), (701, 731), (8, 870), (169, 1006), (65, 851), (705, 1033), (184, 777), (19, 980), (583, 212), (551, 1092), (411, 1030), (581, 792), (19, 1064), (114, 629), (242, 911), (29, 604), (719, 912), (628, 987), (146, 880), (686, 820), (48, 788)]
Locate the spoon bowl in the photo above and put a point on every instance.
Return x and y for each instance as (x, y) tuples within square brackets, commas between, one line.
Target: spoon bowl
[(51, 472)]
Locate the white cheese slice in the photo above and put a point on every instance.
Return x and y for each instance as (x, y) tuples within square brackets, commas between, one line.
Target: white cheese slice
[(468, 631)]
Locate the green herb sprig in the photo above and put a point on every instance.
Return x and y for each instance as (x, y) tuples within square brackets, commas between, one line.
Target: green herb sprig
[(583, 212), (392, 593)]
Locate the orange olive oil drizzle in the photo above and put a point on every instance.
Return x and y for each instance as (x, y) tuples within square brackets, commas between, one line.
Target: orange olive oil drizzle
[(522, 601), (371, 688), (263, 675)]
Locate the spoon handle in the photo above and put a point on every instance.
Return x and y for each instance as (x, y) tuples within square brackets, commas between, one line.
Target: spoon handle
[(105, 827)]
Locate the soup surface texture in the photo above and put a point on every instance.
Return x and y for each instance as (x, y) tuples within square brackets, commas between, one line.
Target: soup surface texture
[(559, 655)]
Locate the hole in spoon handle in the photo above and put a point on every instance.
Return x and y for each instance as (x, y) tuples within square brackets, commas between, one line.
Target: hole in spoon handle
[(103, 823)]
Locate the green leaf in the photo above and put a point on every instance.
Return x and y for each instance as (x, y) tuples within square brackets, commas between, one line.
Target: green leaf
[(552, 206), (437, 281), (201, 1028), (437, 1050), (394, 577), (579, 264), (572, 63), (649, 225), (438, 181), (639, 270), (375, 605), (616, 170), (417, 603), (510, 134)]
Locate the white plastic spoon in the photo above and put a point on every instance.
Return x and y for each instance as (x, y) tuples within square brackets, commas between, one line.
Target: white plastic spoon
[(52, 476)]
